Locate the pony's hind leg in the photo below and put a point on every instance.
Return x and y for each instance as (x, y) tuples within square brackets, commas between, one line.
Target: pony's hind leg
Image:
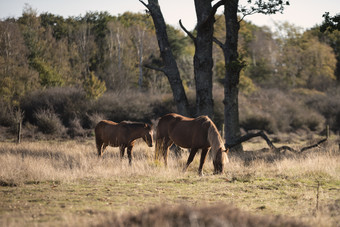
[(129, 153), (191, 157), (99, 145)]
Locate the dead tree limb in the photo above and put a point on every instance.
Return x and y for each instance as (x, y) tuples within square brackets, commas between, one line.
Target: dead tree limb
[(186, 31), (314, 145), (270, 144)]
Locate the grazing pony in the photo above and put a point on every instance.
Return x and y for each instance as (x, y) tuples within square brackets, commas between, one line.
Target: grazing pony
[(122, 135), (193, 133)]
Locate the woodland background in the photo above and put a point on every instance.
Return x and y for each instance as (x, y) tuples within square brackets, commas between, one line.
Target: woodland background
[(61, 75)]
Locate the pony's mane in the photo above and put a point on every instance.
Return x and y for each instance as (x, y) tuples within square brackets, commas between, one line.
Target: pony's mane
[(214, 138)]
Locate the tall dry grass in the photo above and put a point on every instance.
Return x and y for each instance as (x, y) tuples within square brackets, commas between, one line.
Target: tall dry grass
[(67, 161)]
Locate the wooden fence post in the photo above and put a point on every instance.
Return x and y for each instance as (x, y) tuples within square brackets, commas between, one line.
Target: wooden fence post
[(19, 131)]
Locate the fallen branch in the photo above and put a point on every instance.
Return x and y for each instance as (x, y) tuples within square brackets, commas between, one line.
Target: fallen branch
[(270, 144), (314, 145)]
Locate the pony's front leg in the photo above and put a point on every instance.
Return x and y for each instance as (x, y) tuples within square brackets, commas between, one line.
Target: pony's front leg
[(192, 154), (167, 143), (203, 156), (122, 151), (100, 150), (129, 153)]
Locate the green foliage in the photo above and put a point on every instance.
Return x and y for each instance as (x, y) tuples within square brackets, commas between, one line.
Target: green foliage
[(330, 23), (94, 87), (129, 19), (48, 76), (246, 84), (57, 23), (178, 42)]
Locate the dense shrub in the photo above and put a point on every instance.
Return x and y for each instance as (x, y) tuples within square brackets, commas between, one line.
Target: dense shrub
[(48, 122), (328, 105), (75, 128), (67, 102), (5, 115), (273, 110), (132, 105), (261, 122), (93, 119)]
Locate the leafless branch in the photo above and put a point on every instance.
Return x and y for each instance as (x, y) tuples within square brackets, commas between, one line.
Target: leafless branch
[(154, 68), (186, 31), (146, 5), (213, 11), (216, 6), (314, 145), (219, 43)]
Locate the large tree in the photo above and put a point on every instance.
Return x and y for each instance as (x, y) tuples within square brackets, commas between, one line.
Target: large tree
[(233, 64), (203, 61), (169, 68)]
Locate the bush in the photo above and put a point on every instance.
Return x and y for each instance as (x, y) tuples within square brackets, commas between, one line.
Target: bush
[(94, 87), (93, 119), (274, 110), (132, 105), (260, 122), (328, 105), (49, 122), (75, 128), (67, 102)]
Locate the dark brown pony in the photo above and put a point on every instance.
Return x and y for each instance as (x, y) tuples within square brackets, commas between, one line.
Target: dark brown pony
[(122, 135), (193, 133)]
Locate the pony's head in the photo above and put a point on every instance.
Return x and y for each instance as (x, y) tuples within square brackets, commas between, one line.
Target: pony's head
[(220, 159), (148, 135), (218, 151)]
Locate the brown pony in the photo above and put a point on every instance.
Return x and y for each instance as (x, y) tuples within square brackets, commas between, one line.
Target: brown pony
[(122, 135), (194, 133)]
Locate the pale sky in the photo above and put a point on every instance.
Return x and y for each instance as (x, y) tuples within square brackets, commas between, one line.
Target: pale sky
[(301, 13)]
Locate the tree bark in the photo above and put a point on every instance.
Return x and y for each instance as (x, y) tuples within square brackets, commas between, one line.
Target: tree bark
[(170, 68), (203, 61), (233, 68)]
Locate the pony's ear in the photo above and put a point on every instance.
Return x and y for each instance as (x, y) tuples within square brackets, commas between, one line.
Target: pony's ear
[(226, 150)]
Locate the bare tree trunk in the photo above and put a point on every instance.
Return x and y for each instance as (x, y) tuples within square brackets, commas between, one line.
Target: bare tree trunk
[(140, 53), (233, 68), (170, 68), (119, 51), (203, 61)]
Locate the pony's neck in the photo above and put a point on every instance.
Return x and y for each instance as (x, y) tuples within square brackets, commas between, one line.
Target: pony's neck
[(136, 134)]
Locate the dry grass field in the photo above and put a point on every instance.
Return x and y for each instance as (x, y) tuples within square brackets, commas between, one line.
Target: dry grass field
[(63, 183)]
